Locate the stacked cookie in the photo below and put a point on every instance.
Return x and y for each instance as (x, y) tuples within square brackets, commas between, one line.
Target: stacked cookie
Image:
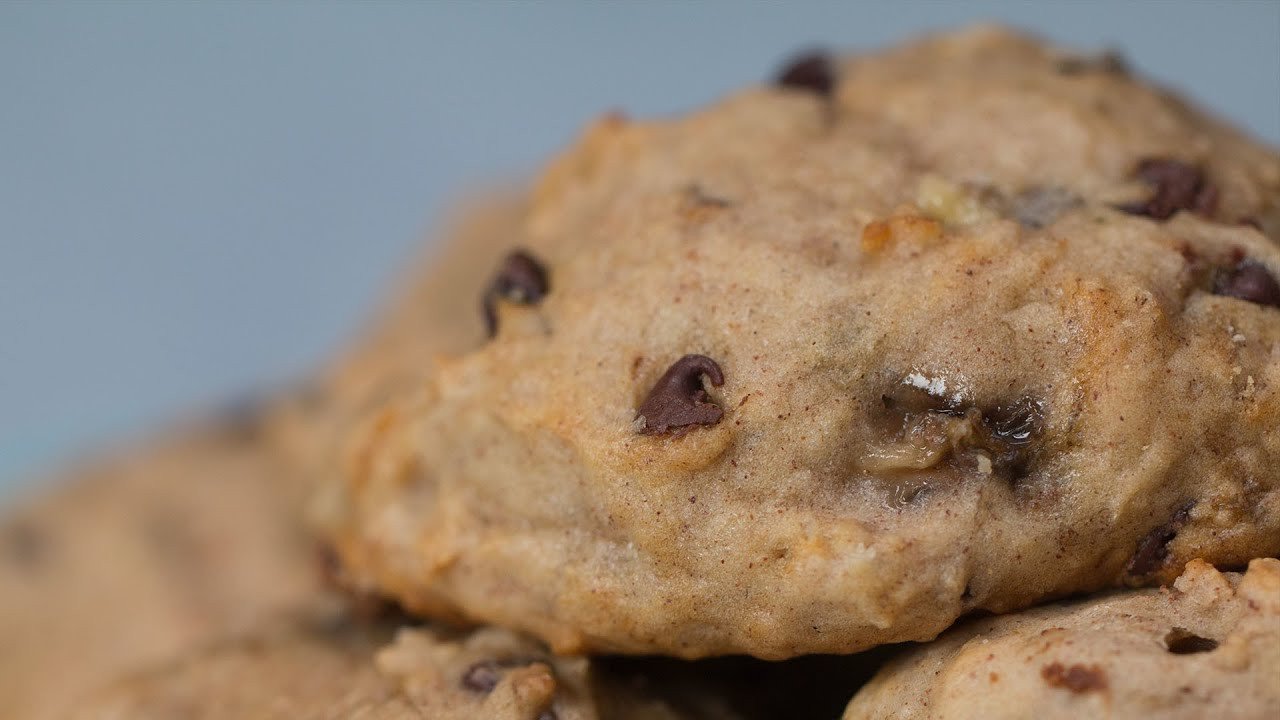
[(965, 327)]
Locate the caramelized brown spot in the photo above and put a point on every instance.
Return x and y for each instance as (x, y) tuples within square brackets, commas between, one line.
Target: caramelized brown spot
[(520, 279), (1181, 641), (1175, 186), (1153, 549), (678, 399), (812, 71), (1249, 280), (1076, 678)]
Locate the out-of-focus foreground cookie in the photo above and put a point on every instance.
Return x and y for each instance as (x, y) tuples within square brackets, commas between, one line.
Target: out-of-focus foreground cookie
[(141, 558), (1209, 647), (320, 669), (965, 325)]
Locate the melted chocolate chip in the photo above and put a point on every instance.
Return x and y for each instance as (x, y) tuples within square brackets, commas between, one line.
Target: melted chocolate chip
[(1154, 548), (1177, 186), (521, 279), (1005, 434), (482, 677), (1249, 280), (678, 399), (1076, 678), (1181, 641), (812, 71)]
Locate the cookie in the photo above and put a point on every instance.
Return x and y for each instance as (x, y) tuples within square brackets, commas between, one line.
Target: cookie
[(141, 557), (1207, 647), (974, 324), (299, 669), (331, 667)]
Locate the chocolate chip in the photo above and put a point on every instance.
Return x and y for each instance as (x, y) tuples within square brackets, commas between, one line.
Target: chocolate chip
[(678, 399), (521, 279), (1249, 280), (1076, 678), (1181, 641), (548, 715), (243, 418), (812, 71), (1177, 186), (1004, 434), (482, 677), (1154, 548), (25, 545), (1110, 61)]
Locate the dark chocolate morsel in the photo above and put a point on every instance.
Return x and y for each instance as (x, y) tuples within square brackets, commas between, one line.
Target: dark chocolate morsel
[(520, 279), (678, 399), (1249, 280), (482, 677), (812, 71), (1181, 641), (1154, 548), (1176, 186)]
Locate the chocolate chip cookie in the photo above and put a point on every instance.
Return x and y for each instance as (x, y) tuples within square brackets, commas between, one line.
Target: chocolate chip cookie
[(1207, 647), (965, 325), (330, 667), (147, 555)]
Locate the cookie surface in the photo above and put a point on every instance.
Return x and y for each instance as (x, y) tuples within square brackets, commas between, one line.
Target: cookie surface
[(332, 668), (1207, 647), (142, 557), (976, 324)]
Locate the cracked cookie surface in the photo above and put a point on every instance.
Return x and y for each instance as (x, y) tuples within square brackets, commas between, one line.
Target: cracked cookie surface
[(984, 323)]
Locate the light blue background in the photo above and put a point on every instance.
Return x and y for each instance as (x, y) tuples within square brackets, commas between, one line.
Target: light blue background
[(200, 200)]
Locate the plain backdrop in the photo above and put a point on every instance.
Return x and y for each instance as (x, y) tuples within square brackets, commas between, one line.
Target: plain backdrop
[(198, 201)]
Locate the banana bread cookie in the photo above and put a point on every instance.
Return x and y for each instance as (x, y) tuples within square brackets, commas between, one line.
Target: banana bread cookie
[(142, 557), (331, 667), (968, 324), (1209, 647)]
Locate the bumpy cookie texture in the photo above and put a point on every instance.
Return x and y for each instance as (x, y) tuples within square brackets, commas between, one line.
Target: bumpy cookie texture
[(327, 666), (1209, 647), (963, 366), (142, 557)]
